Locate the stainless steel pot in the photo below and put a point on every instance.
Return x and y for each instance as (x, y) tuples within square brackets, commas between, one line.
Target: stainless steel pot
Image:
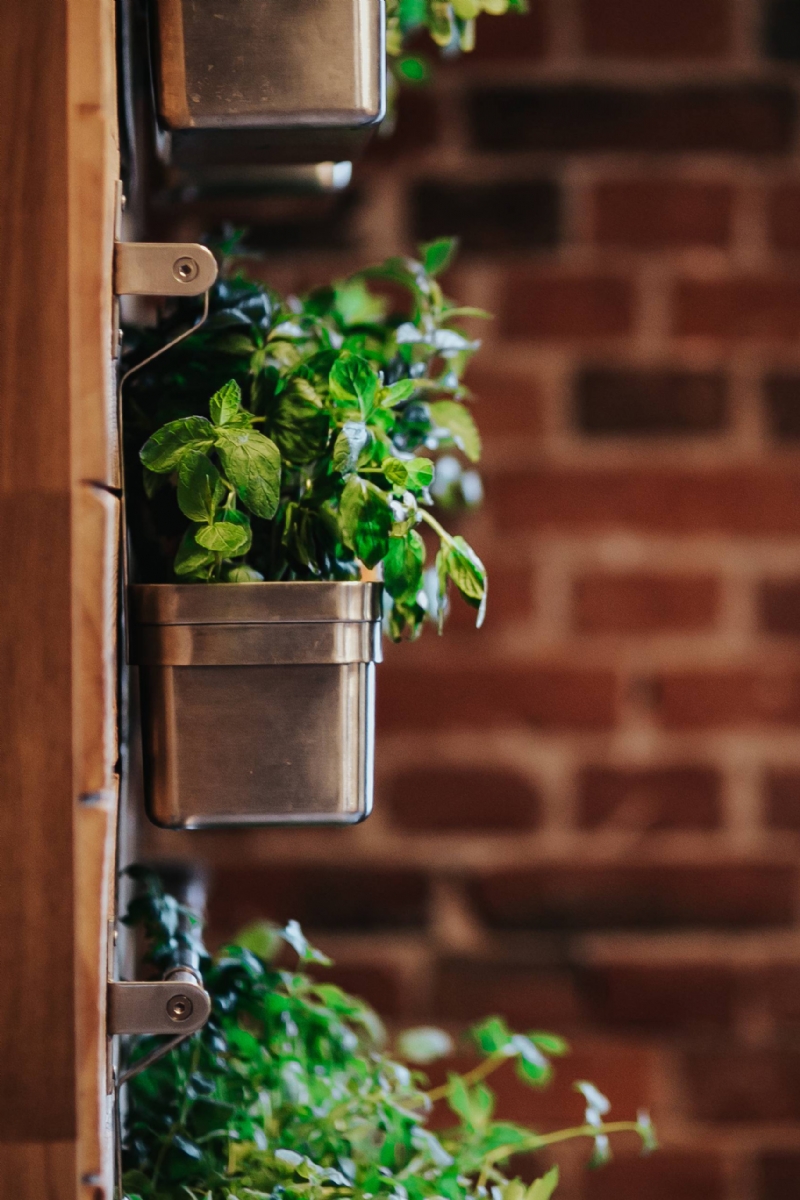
[(258, 701), (254, 81)]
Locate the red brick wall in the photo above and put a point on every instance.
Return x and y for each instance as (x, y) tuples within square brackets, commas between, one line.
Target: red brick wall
[(588, 813)]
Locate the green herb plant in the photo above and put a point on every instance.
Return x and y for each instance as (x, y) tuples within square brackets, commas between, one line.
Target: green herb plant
[(290, 1093), (296, 435), (450, 24)]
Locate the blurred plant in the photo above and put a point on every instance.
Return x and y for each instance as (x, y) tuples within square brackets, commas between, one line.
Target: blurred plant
[(290, 431), (289, 1093), (450, 24)]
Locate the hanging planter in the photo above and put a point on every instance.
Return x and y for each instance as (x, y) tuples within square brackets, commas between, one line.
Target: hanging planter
[(258, 701), (277, 81), (260, 506)]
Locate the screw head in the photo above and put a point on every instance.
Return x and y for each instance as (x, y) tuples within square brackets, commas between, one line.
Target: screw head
[(179, 1008), (185, 269)]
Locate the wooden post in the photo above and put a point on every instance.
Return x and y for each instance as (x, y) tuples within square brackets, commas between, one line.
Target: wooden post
[(58, 537)]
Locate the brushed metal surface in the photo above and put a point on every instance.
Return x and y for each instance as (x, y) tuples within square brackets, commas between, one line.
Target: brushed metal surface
[(259, 722), (253, 645), (163, 269), (145, 1007), (252, 603), (263, 63)]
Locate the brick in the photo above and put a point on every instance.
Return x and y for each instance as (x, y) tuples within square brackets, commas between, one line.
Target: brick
[(557, 307), (766, 309), (416, 127), (378, 984), (782, 800), (657, 214), (491, 217), (506, 402), (643, 603), (438, 798), (782, 397), (660, 996), (668, 1175), (682, 797), (730, 1084), (639, 403), (779, 986), (631, 895), (523, 37), (783, 218), (741, 500), (743, 118), (625, 29), (779, 606), (528, 997), (728, 698), (778, 1171), (782, 30), (318, 896), (481, 697), (512, 600)]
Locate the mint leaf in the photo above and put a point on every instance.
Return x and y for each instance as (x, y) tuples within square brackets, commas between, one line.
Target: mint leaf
[(403, 565), (231, 536), (353, 379), (542, 1189), (191, 559), (398, 392), (349, 443), (200, 487), (468, 574), (458, 422), (396, 471), (420, 473), (165, 449), (253, 465), (225, 404), (437, 256), (365, 519)]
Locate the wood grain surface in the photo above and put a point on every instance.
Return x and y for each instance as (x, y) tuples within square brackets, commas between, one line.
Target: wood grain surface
[(58, 537)]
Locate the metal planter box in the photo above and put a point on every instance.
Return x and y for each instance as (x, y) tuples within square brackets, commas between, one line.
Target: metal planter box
[(253, 81), (258, 701)]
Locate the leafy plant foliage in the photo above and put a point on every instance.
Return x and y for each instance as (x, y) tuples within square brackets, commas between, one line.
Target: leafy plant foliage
[(296, 436), (450, 23), (289, 1092)]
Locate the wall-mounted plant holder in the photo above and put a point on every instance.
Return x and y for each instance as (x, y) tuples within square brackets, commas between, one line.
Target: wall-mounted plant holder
[(257, 701), (264, 81)]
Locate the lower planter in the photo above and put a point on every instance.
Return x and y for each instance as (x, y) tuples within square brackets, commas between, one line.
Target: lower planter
[(258, 701)]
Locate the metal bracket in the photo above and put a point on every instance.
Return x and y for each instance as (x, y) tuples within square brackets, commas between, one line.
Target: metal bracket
[(177, 1006), (163, 269)]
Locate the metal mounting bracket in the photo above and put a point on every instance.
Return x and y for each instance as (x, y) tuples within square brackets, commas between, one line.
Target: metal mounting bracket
[(177, 1006), (163, 269)]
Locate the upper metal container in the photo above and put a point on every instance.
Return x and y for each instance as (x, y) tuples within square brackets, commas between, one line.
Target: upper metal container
[(248, 81), (257, 701)]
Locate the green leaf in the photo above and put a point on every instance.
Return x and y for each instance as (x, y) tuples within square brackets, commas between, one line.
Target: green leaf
[(398, 392), (403, 565), (437, 256), (468, 574), (294, 937), (395, 471), (550, 1043), (253, 465), (260, 938), (243, 574), (299, 427), (493, 1036), (366, 520), (349, 443), (457, 420), (230, 537), (165, 449), (200, 488), (420, 473), (191, 558), (542, 1189), (225, 404), (353, 379), (424, 1044)]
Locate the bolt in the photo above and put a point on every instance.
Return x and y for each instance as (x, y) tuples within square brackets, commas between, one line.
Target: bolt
[(185, 269), (179, 1008)]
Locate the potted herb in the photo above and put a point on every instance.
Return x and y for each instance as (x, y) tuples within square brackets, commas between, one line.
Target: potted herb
[(286, 450), (290, 1092)]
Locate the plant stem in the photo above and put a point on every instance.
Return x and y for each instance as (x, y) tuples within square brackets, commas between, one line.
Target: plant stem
[(474, 1076), (435, 526), (537, 1141)]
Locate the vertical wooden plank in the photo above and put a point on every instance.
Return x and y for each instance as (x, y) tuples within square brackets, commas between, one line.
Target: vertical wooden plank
[(58, 535)]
